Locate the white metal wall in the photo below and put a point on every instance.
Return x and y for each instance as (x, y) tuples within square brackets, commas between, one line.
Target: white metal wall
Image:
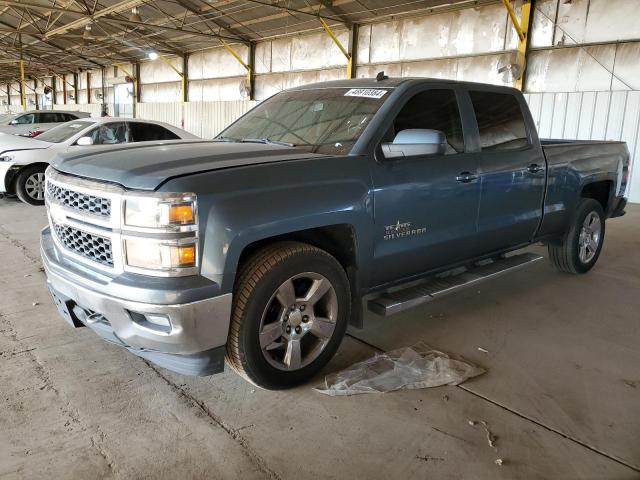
[(592, 116), (204, 119)]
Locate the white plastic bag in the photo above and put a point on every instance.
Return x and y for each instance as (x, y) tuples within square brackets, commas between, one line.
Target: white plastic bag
[(407, 368)]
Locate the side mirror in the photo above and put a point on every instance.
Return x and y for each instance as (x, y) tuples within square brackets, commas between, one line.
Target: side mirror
[(13, 122), (84, 141), (414, 142)]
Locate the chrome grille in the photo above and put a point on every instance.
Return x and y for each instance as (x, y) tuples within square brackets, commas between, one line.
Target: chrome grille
[(80, 201), (88, 245)]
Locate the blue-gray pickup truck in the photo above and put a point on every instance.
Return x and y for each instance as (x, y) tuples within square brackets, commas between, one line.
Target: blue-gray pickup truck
[(262, 246)]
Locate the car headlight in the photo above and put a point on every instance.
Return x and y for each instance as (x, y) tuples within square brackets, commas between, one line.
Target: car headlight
[(160, 255), (169, 212), (7, 158)]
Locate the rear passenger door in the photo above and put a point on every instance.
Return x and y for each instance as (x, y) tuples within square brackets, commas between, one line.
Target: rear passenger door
[(511, 172)]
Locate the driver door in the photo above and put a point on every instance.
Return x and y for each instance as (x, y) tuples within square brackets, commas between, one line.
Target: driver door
[(425, 206)]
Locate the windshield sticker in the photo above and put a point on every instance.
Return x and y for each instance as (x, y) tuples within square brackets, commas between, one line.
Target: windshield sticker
[(365, 92), (76, 125)]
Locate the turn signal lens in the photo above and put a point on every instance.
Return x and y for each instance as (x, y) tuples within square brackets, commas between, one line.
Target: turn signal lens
[(186, 256), (181, 214), (157, 255)]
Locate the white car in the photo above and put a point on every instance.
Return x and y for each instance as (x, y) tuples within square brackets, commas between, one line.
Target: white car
[(37, 121), (23, 160)]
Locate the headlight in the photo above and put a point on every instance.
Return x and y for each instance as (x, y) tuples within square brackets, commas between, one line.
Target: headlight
[(7, 158), (160, 255), (173, 212)]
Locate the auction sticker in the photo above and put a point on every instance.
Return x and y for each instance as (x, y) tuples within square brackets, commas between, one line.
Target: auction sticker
[(365, 92)]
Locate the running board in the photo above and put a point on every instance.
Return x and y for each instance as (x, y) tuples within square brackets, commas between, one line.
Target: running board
[(401, 300)]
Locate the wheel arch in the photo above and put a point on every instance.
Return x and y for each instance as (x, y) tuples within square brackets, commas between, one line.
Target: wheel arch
[(339, 240), (14, 173), (602, 191)]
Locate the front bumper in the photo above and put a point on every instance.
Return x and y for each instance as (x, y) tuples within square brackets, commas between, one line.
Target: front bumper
[(195, 342), (6, 175)]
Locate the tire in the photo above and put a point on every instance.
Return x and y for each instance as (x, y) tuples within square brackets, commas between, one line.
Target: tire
[(30, 185), (260, 347), (582, 244)]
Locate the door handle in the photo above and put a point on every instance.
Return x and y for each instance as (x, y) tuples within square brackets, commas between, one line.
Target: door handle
[(534, 168), (466, 177)]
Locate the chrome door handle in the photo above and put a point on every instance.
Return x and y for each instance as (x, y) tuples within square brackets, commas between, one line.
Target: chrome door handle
[(534, 168), (466, 177)]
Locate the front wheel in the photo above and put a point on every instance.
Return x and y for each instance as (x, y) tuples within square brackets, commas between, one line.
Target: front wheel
[(30, 185), (582, 244), (290, 312)]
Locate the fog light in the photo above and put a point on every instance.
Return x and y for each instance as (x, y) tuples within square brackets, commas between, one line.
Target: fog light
[(152, 321)]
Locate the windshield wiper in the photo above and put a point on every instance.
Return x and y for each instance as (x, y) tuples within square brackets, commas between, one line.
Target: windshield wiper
[(267, 141)]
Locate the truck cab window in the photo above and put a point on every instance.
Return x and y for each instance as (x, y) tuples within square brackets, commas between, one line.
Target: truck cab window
[(500, 121), (433, 110)]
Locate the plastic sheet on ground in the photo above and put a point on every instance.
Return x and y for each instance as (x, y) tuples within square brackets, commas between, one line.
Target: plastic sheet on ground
[(407, 368)]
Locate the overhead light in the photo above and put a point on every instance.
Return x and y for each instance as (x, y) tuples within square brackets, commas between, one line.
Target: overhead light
[(86, 35), (153, 55), (134, 16)]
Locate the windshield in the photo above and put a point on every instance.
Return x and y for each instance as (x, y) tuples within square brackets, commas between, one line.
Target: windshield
[(63, 132), (324, 120)]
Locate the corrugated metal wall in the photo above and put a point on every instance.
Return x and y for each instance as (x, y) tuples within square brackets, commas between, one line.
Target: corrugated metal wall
[(204, 119), (592, 116)]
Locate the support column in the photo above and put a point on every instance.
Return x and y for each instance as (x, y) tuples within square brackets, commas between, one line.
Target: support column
[(185, 77), (521, 27), (352, 62), (35, 93), (76, 91), (88, 87), (137, 88), (64, 89), (23, 85), (8, 94), (344, 51), (54, 91), (251, 76), (103, 74)]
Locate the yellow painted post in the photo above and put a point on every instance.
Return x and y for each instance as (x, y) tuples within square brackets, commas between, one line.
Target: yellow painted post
[(522, 29), (235, 55), (344, 51), (23, 86), (521, 56)]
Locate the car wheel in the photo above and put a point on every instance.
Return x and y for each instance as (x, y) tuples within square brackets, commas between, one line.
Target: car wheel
[(582, 244), (30, 185), (291, 306)]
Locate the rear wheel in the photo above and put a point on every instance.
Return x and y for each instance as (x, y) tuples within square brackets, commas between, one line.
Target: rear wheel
[(290, 313), (30, 185), (582, 244)]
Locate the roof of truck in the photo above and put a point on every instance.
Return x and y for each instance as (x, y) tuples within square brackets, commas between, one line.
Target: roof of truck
[(393, 82)]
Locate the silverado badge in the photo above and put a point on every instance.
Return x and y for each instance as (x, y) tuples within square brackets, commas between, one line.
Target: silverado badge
[(399, 230)]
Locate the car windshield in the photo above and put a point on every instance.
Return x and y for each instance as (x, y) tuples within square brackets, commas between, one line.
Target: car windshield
[(326, 121), (63, 132)]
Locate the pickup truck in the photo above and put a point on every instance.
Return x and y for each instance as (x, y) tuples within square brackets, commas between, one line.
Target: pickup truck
[(261, 247)]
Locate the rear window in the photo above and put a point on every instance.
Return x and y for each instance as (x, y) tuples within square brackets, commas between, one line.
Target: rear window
[(500, 121)]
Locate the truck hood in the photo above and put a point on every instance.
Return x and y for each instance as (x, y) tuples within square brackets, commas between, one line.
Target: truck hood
[(12, 143), (146, 167)]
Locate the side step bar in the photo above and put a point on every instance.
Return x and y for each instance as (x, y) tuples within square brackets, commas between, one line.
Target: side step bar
[(401, 300)]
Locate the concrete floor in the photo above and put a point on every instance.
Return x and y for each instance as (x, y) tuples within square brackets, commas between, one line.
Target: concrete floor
[(562, 392)]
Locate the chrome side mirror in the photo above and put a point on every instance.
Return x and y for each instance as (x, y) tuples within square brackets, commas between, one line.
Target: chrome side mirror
[(416, 142)]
